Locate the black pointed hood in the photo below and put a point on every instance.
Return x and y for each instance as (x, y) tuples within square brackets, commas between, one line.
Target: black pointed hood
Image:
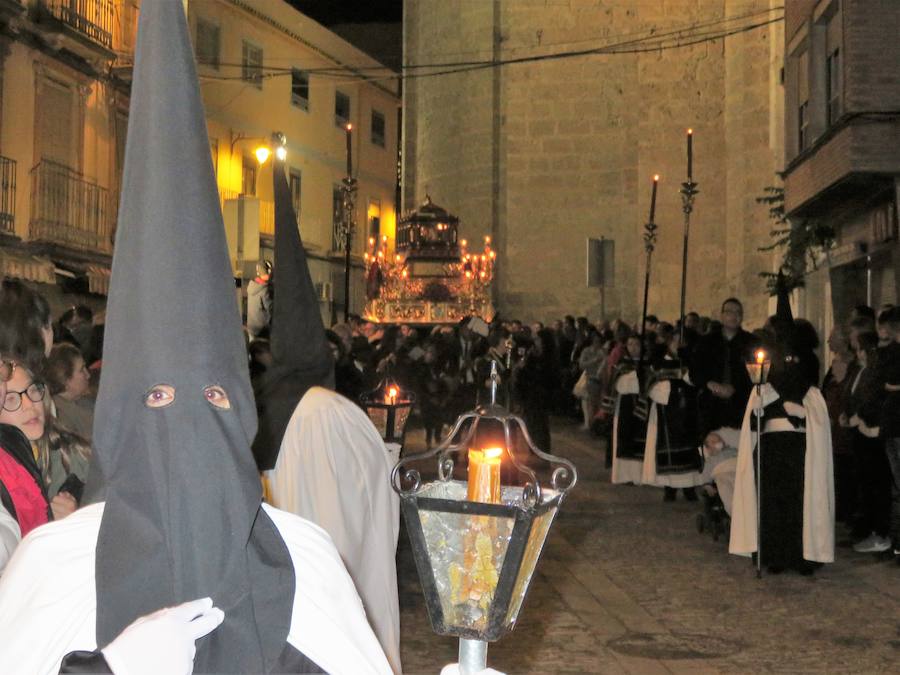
[(783, 307), (182, 518), (300, 352)]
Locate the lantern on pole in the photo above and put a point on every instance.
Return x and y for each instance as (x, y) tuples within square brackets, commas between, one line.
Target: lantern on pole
[(388, 407), (758, 370), (476, 542)]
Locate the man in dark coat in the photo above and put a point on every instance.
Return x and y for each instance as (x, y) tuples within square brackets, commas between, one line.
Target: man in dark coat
[(718, 370)]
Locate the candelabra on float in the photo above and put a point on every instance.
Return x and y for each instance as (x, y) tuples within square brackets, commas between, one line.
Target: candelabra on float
[(478, 273)]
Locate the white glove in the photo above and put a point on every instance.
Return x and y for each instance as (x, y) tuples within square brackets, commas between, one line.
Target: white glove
[(453, 669), (163, 642)]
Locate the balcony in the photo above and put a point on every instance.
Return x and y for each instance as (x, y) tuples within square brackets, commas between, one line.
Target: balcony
[(266, 211), (7, 195), (83, 27), (68, 210)]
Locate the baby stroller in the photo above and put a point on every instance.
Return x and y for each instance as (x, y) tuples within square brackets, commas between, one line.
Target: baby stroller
[(714, 518)]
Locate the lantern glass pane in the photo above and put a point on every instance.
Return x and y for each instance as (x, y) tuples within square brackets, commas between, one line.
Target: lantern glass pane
[(379, 419), (400, 417), (466, 552), (536, 539)]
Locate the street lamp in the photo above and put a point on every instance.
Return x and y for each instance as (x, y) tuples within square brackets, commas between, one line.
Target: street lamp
[(476, 543), (262, 152)]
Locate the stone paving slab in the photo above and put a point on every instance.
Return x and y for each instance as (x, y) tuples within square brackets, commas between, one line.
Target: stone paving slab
[(626, 585)]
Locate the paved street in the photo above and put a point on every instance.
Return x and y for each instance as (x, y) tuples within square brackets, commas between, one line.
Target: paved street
[(627, 585)]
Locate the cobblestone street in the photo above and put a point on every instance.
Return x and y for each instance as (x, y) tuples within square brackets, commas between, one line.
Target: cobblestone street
[(627, 585)]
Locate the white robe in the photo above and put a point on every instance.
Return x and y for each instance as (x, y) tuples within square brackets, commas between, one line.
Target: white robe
[(10, 535), (818, 481), (334, 470), (624, 470), (48, 598), (659, 395)]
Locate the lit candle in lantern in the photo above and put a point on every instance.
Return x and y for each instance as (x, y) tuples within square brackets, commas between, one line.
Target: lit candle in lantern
[(690, 153), (653, 198), (484, 475), (758, 368), (349, 152), (392, 394)]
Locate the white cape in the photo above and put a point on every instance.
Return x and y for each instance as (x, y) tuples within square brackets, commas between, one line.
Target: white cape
[(624, 470), (659, 395), (48, 599), (818, 482), (334, 470)]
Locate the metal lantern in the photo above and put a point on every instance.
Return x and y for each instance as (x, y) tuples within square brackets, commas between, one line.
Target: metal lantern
[(388, 407), (758, 368), (476, 543)]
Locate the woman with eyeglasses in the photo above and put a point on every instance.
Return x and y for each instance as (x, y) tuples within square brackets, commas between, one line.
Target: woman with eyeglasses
[(23, 498), (24, 408)]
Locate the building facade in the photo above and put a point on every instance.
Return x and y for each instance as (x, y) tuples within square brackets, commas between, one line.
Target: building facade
[(544, 154), (842, 131), (65, 70)]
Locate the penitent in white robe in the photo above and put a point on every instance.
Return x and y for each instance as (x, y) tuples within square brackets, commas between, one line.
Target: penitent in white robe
[(818, 481), (659, 396), (334, 469), (624, 470), (48, 599)]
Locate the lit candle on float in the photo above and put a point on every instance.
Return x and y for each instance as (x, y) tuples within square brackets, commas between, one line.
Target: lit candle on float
[(653, 198), (690, 154)]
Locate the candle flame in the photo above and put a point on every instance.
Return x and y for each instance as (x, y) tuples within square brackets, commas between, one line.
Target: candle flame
[(690, 132), (492, 453), (487, 240), (397, 257), (393, 391), (371, 241), (656, 178), (463, 243), (493, 255), (349, 126), (384, 237), (760, 356)]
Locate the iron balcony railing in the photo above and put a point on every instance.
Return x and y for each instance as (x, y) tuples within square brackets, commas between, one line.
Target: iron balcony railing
[(7, 195), (69, 210), (92, 18)]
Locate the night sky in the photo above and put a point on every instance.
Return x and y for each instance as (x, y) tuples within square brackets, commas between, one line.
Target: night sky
[(329, 12)]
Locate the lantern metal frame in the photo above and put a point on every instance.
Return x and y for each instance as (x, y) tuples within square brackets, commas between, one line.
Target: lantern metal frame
[(536, 500), (758, 370), (375, 399)]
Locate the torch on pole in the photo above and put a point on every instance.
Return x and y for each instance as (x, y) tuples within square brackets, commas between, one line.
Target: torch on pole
[(689, 192)]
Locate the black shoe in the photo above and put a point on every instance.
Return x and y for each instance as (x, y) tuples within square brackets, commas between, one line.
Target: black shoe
[(690, 494), (774, 569), (669, 494)]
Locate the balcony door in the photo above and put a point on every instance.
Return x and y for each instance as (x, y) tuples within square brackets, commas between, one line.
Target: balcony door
[(57, 133)]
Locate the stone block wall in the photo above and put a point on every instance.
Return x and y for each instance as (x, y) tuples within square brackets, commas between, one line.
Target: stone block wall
[(545, 154)]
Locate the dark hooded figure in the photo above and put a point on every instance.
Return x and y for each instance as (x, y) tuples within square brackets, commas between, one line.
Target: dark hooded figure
[(177, 520), (301, 357), (793, 454)]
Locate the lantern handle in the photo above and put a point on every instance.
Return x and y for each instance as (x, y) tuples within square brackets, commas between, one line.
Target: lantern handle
[(564, 474), (531, 490)]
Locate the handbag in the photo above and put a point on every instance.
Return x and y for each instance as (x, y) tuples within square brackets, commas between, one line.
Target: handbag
[(580, 388)]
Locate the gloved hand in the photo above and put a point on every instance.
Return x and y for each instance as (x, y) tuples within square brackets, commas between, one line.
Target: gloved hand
[(163, 642)]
